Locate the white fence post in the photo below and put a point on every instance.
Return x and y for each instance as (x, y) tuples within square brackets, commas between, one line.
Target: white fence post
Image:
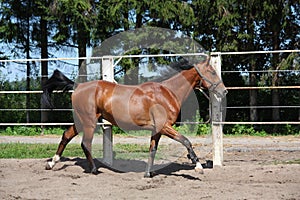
[(217, 129), (108, 75)]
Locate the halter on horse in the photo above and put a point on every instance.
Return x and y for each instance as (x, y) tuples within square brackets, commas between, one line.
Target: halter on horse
[(151, 106)]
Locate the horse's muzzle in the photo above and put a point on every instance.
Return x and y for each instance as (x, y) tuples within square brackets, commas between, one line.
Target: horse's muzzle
[(221, 94)]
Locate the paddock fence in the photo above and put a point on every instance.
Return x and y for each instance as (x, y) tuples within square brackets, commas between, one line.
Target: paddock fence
[(216, 109), (161, 55)]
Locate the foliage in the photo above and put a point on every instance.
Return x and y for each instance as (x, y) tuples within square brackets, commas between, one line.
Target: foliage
[(219, 25), (30, 131), (246, 130), (18, 101), (261, 131), (117, 130), (194, 129)]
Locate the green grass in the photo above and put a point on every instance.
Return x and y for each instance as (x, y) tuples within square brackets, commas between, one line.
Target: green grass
[(121, 151), (131, 151), (36, 130), (21, 150), (297, 161), (185, 129)]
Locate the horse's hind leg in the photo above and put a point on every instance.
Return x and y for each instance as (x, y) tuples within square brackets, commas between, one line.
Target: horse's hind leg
[(86, 146), (152, 151), (70, 133)]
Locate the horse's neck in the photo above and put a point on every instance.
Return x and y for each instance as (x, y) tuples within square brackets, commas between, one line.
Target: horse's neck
[(182, 84)]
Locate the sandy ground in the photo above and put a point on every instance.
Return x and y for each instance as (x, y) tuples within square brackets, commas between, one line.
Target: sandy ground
[(254, 168)]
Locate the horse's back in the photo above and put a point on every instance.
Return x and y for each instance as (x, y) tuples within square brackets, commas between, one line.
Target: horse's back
[(127, 106), (85, 99)]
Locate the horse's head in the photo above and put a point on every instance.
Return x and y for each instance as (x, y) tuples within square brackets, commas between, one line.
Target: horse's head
[(210, 79)]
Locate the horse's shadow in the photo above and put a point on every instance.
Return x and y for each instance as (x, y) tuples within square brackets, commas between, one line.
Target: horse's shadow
[(125, 166)]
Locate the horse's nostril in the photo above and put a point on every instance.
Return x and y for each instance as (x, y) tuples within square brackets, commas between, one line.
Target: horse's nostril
[(225, 92), (222, 95)]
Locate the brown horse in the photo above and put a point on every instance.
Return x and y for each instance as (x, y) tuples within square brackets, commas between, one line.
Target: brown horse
[(152, 106)]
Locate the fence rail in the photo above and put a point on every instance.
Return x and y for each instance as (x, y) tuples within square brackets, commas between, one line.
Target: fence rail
[(261, 123), (41, 124), (154, 55), (30, 92), (228, 88), (160, 55), (36, 109), (264, 87)]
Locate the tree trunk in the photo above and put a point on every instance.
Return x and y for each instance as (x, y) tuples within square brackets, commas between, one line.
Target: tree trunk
[(253, 103), (275, 100), (253, 79), (44, 64), (253, 94), (275, 29), (139, 20), (132, 74), (82, 44), (27, 50), (275, 92)]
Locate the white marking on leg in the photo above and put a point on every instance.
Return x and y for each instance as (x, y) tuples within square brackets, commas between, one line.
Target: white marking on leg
[(54, 160), (199, 168)]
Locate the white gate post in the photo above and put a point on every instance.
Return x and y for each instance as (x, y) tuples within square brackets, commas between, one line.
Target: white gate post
[(216, 116), (108, 75)]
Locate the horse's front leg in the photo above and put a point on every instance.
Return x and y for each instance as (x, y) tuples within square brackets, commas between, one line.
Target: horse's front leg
[(68, 135), (170, 132), (152, 151), (191, 155)]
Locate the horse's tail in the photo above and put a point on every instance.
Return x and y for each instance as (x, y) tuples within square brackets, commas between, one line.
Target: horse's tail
[(58, 81)]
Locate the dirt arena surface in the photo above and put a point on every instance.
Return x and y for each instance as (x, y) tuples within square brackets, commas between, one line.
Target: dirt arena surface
[(254, 168)]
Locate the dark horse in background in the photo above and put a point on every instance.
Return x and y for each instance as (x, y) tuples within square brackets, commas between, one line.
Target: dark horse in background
[(151, 106)]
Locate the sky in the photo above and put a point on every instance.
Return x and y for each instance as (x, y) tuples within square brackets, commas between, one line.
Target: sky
[(13, 71)]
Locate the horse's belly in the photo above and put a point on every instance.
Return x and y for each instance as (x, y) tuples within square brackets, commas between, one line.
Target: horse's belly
[(129, 122)]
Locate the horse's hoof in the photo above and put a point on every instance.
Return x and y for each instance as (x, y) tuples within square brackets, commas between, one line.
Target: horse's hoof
[(95, 171), (48, 166), (149, 174), (199, 168)]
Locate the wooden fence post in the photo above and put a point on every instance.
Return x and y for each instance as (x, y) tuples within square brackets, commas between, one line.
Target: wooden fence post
[(217, 129), (108, 75)]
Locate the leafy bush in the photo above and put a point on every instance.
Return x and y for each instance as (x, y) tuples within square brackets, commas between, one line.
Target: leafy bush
[(203, 129), (292, 130), (194, 129), (262, 130), (30, 131), (239, 129)]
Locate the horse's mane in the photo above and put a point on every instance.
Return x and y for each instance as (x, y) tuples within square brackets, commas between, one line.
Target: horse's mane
[(181, 65), (173, 69)]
